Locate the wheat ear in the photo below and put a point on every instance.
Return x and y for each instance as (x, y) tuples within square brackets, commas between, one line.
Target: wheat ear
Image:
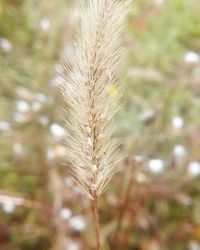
[(90, 98)]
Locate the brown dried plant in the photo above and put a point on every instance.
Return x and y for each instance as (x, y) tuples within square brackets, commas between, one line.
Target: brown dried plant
[(91, 99)]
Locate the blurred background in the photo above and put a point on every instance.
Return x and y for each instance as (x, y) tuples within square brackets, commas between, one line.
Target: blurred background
[(153, 203)]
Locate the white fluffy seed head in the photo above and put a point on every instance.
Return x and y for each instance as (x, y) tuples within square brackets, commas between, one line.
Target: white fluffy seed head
[(90, 106)]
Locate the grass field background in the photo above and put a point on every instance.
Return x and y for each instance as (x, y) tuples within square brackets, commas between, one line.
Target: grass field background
[(154, 199)]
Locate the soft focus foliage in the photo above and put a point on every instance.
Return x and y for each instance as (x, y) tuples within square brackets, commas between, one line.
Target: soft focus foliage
[(152, 203)]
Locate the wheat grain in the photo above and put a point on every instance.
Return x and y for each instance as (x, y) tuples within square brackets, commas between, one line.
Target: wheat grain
[(90, 104)]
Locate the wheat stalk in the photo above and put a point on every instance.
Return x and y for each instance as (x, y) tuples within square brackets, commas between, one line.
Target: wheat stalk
[(91, 102)]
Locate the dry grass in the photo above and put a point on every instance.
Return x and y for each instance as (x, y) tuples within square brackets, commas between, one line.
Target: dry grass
[(90, 104)]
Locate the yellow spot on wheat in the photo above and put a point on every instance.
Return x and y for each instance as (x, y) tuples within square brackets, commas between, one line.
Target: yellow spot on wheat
[(112, 90)]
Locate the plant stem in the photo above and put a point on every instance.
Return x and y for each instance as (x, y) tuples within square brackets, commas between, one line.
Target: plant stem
[(96, 221)]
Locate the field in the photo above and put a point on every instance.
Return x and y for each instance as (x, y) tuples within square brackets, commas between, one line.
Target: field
[(153, 202)]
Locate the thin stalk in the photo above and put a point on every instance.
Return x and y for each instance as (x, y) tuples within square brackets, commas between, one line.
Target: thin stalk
[(96, 222)]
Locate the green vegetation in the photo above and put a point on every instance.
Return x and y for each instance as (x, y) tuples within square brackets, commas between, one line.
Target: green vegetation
[(159, 111)]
